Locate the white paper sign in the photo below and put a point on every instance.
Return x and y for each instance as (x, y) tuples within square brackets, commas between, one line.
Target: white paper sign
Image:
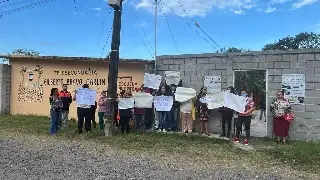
[(294, 87), (152, 81), (143, 100), (126, 103), (213, 84), (163, 103), (215, 100), (172, 77), (235, 102), (86, 96), (184, 94)]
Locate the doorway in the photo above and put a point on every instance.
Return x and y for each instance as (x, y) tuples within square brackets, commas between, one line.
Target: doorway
[(254, 81)]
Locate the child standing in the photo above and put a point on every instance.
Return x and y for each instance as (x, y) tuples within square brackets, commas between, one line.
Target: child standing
[(187, 115)]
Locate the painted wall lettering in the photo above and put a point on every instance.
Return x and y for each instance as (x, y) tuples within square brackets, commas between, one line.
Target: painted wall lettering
[(89, 72), (76, 82)]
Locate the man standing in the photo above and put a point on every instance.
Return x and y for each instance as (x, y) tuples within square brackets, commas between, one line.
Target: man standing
[(66, 100)]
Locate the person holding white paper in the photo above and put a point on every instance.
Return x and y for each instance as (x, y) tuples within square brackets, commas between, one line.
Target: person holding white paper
[(163, 116), (125, 115), (245, 118), (227, 115)]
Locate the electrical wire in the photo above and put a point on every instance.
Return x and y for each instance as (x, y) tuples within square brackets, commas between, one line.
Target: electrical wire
[(75, 6), (165, 16), (105, 44), (197, 24), (3, 1), (32, 5), (103, 23), (139, 22), (14, 3), (161, 1)]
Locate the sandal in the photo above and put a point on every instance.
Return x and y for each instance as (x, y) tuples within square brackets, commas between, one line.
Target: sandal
[(207, 134)]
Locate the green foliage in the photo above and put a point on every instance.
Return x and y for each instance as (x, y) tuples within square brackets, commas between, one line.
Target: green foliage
[(299, 41), (232, 49), (25, 52)]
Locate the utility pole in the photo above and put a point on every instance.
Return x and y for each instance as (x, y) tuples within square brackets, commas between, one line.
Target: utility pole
[(155, 35), (113, 66)]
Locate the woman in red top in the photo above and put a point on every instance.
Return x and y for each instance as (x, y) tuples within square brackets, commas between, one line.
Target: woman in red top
[(245, 118)]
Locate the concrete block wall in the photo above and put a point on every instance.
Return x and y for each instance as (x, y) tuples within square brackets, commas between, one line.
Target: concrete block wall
[(5, 87), (194, 67)]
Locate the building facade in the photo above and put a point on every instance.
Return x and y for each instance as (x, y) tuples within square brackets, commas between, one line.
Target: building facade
[(33, 77)]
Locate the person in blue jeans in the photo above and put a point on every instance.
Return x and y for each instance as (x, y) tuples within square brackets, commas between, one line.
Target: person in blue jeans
[(164, 90), (56, 106)]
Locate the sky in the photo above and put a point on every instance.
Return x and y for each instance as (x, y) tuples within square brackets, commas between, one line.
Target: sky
[(82, 28)]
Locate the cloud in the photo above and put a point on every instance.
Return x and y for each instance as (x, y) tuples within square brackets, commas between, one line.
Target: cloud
[(302, 3), (279, 1), (96, 9), (198, 7), (239, 12), (270, 10)]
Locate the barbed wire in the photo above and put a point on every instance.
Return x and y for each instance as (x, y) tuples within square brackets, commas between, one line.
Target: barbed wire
[(165, 16)]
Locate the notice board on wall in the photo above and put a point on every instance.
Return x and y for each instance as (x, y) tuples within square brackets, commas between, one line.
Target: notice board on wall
[(294, 87)]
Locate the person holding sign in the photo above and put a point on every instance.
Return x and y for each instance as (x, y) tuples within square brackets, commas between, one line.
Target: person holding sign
[(187, 115), (163, 116), (125, 114), (245, 118), (83, 108), (227, 115), (56, 106), (203, 111)]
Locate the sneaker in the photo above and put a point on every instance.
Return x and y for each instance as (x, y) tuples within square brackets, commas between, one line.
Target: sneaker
[(223, 135), (159, 130), (164, 130), (236, 140), (246, 142)]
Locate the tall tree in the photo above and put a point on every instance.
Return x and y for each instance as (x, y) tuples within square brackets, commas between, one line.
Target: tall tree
[(299, 41)]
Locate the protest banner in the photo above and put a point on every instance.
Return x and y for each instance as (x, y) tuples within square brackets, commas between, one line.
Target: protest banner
[(172, 77), (143, 100), (126, 103), (163, 103), (152, 81), (215, 100), (213, 84), (86, 96), (184, 94), (235, 102)]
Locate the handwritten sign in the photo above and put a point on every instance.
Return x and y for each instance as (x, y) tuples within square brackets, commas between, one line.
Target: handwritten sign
[(172, 77), (143, 100), (163, 103), (152, 81), (213, 84), (184, 94), (215, 100), (86, 96), (126, 103)]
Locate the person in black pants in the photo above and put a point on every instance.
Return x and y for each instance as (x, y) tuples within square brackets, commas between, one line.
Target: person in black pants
[(125, 115), (93, 114), (84, 113), (227, 115)]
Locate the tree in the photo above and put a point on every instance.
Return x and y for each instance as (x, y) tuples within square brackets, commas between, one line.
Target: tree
[(21, 52), (232, 49), (25, 52), (299, 41)]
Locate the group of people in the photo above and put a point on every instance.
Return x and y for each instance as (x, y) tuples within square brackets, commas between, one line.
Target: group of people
[(165, 121)]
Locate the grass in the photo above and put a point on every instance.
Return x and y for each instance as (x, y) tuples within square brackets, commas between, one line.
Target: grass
[(298, 155)]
